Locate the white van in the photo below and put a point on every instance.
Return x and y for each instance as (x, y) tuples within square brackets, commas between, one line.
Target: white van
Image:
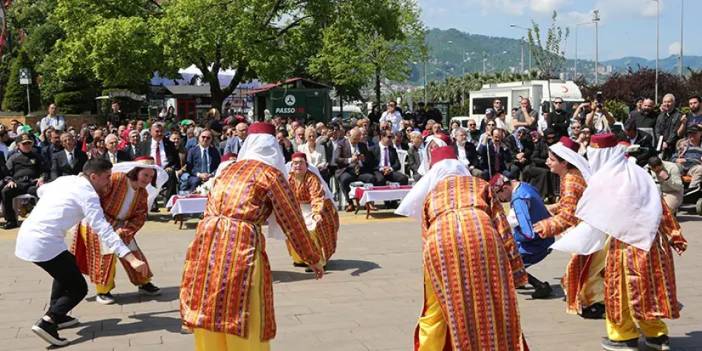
[(512, 92)]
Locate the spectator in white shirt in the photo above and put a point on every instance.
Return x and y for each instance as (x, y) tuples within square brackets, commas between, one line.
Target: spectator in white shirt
[(62, 205), (392, 116), (52, 119), (315, 152)]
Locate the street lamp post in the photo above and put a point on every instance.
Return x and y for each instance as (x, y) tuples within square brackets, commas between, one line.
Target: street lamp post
[(527, 30), (596, 20), (658, 12), (682, 11), (575, 68)]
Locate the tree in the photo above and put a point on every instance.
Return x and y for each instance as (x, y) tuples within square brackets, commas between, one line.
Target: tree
[(370, 42), (256, 38), (15, 97), (547, 54)]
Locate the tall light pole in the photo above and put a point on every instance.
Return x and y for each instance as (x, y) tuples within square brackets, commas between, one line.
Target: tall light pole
[(682, 11), (596, 20), (658, 17), (527, 30)]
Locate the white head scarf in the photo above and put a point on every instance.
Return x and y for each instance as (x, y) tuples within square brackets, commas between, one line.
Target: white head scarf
[(621, 200), (161, 176), (572, 157), (412, 204), (424, 153), (263, 147)]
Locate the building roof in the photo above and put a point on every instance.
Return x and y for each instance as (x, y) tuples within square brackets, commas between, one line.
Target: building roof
[(193, 90), (296, 82)]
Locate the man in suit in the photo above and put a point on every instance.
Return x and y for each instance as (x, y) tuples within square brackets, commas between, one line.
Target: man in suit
[(642, 139), (466, 152), (69, 161), (387, 162), (132, 147), (499, 156), (201, 163), (166, 156), (354, 163), (113, 154), (54, 145), (414, 160)]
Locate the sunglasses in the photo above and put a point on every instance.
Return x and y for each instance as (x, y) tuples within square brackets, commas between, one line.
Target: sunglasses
[(205, 137), (558, 102), (491, 124)]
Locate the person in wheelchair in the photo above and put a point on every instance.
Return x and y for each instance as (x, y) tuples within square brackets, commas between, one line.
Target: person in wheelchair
[(688, 156)]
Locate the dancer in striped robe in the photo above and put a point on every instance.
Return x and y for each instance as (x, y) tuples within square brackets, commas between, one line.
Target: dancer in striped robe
[(583, 280), (125, 203), (639, 274), (471, 263), (315, 199), (226, 295)]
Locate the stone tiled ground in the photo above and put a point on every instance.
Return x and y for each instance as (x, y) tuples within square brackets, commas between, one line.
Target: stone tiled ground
[(369, 300)]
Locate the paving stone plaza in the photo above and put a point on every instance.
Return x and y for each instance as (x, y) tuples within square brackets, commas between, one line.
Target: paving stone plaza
[(369, 299)]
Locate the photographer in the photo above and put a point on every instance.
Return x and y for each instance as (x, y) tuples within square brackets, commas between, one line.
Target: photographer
[(599, 120)]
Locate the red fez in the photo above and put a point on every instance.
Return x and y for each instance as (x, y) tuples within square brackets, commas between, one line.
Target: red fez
[(601, 141), (262, 128), (228, 156), (444, 137), (299, 155), (569, 143), (497, 180), (442, 153)]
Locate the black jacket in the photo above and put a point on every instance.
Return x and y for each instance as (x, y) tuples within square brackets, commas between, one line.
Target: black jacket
[(645, 141), (496, 167), (170, 149), (471, 153), (377, 158), (61, 167)]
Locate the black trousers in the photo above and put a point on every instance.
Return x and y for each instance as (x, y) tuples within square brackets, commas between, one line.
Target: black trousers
[(69, 286), (347, 177), (8, 194), (396, 177)]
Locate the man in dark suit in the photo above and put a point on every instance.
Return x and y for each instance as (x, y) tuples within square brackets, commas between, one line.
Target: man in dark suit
[(69, 161), (386, 161), (200, 163), (642, 139), (54, 145), (132, 147), (354, 163), (499, 156), (166, 156)]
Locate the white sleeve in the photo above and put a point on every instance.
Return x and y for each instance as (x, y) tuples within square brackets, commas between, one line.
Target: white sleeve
[(92, 210)]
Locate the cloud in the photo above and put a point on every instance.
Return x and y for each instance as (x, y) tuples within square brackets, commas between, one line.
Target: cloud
[(545, 6), (621, 9), (511, 7), (674, 48), (575, 17)]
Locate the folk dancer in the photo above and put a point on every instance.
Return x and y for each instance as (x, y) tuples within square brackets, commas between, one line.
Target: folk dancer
[(527, 208), (62, 204), (315, 200), (582, 282), (639, 274), (125, 202), (471, 264), (226, 295)]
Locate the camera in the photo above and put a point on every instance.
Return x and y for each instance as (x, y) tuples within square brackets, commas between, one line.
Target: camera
[(599, 99)]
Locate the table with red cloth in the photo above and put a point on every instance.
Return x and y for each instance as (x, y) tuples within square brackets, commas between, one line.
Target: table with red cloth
[(364, 196), (181, 205)]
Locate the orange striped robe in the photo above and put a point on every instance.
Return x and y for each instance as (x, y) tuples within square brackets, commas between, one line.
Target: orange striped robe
[(572, 187), (93, 262), (311, 191), (473, 264), (214, 293), (649, 276)]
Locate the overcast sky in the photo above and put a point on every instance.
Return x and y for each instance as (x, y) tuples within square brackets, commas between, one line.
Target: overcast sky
[(627, 27)]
